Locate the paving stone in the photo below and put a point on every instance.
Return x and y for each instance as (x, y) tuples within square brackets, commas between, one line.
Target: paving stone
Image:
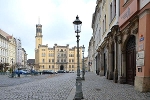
[(60, 86)]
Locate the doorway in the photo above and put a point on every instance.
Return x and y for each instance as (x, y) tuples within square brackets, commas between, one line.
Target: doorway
[(61, 67), (130, 60)]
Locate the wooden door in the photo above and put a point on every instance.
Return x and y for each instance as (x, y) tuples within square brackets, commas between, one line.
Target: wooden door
[(130, 61)]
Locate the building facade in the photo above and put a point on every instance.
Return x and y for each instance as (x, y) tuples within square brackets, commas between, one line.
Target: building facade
[(91, 66), (4, 44), (122, 49), (134, 29), (18, 53), (10, 52), (55, 58), (24, 58)]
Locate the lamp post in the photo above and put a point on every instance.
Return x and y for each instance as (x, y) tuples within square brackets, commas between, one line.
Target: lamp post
[(83, 69), (12, 74), (78, 94)]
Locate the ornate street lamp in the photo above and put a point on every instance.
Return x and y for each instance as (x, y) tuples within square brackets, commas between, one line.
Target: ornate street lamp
[(83, 69), (78, 95)]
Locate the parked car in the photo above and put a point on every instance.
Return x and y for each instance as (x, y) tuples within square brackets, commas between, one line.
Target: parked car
[(47, 72), (71, 71), (21, 72), (61, 71), (53, 72), (67, 71), (34, 72)]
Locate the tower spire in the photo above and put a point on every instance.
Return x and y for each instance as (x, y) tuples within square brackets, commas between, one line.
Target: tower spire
[(39, 20)]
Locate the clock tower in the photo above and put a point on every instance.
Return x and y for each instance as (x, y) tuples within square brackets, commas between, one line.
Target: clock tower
[(38, 37)]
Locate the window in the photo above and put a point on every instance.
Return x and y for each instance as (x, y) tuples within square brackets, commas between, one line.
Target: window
[(49, 66), (51, 55), (61, 60), (43, 54), (52, 66), (43, 49), (114, 7), (64, 60), (43, 66), (43, 60), (105, 23), (64, 55), (69, 66), (49, 60), (125, 1), (52, 60), (72, 60), (72, 66), (57, 60), (110, 12), (69, 60), (103, 26)]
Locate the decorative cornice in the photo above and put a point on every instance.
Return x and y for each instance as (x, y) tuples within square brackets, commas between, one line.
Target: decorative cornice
[(135, 31), (127, 31), (115, 28)]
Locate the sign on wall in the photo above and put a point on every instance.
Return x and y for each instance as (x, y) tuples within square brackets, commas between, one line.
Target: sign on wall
[(130, 10), (141, 46), (140, 58)]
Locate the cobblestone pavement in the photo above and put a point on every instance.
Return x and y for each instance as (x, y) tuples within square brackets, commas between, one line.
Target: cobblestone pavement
[(41, 87), (60, 87), (5, 80), (99, 88)]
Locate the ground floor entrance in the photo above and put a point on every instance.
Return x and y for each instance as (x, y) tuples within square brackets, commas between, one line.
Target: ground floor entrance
[(130, 61), (61, 67)]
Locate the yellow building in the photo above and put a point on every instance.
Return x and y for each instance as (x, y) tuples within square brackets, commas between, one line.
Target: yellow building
[(56, 58)]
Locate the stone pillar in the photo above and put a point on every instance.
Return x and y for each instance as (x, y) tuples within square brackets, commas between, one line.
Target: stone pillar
[(122, 78), (101, 62), (110, 64), (107, 71), (115, 64), (119, 65)]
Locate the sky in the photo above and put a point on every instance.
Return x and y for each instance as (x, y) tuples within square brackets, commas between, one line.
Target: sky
[(19, 18)]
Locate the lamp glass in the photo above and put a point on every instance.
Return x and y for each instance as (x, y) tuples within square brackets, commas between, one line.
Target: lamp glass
[(77, 28), (77, 25)]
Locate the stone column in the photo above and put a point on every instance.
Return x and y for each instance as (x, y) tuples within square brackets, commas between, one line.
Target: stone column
[(119, 57), (107, 55), (116, 60), (110, 64), (98, 63), (122, 78), (101, 62)]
